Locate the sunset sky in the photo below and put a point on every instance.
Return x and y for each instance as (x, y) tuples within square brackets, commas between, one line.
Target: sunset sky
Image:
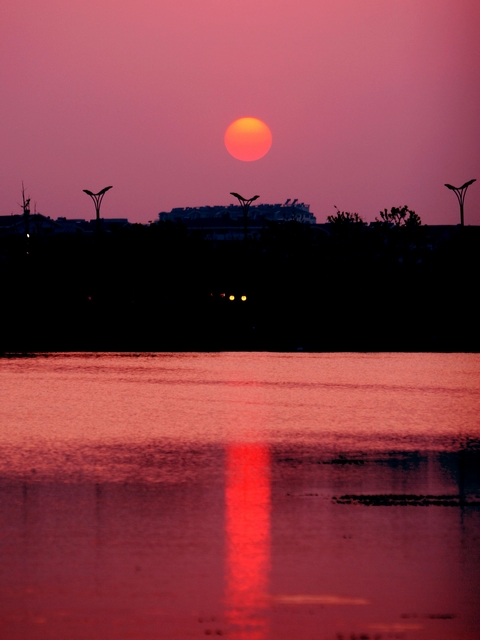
[(371, 104)]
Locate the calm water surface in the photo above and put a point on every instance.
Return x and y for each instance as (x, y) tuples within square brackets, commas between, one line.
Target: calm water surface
[(252, 496)]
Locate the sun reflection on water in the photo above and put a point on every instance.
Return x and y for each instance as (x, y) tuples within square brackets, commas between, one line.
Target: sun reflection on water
[(247, 496)]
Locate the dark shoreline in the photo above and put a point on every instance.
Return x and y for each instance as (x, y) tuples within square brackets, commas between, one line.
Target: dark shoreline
[(290, 288)]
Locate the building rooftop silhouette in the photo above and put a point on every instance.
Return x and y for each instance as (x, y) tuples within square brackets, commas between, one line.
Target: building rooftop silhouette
[(226, 222)]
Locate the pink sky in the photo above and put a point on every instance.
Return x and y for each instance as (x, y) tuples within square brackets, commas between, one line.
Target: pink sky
[(371, 103)]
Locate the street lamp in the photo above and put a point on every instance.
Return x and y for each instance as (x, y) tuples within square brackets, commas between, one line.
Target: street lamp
[(97, 201), (245, 204), (460, 193)]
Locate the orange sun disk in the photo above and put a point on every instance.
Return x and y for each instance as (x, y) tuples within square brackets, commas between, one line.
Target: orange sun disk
[(248, 139)]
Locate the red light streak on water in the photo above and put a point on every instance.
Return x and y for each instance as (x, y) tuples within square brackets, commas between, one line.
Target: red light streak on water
[(247, 496)]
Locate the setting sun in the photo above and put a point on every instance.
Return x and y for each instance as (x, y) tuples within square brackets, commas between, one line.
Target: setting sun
[(248, 139)]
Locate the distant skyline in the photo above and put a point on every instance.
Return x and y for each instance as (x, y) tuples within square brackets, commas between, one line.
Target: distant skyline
[(371, 104)]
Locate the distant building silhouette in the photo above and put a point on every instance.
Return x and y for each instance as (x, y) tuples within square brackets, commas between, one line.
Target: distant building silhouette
[(226, 223), (40, 225)]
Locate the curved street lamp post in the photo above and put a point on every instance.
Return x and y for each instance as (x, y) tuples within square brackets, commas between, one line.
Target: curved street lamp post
[(460, 193), (97, 201), (245, 205)]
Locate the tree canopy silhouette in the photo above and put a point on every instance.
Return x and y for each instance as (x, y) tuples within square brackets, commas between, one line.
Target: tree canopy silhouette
[(399, 217), (344, 218)]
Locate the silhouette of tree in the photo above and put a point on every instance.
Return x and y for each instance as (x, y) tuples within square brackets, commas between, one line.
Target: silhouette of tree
[(345, 218), (26, 210), (399, 217)]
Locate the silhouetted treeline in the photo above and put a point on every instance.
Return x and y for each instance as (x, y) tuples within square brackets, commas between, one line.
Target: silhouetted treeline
[(160, 287)]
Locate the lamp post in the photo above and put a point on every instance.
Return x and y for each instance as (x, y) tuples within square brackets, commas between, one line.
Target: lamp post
[(97, 201), (245, 204), (460, 193)]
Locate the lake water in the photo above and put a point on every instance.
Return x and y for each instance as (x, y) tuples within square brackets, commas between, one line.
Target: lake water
[(248, 495)]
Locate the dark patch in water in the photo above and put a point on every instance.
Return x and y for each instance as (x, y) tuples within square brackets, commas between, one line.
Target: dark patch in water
[(366, 636), (302, 495), (429, 616), (411, 500), (343, 460)]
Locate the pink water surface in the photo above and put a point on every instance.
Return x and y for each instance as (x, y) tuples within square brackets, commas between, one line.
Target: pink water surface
[(190, 495)]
